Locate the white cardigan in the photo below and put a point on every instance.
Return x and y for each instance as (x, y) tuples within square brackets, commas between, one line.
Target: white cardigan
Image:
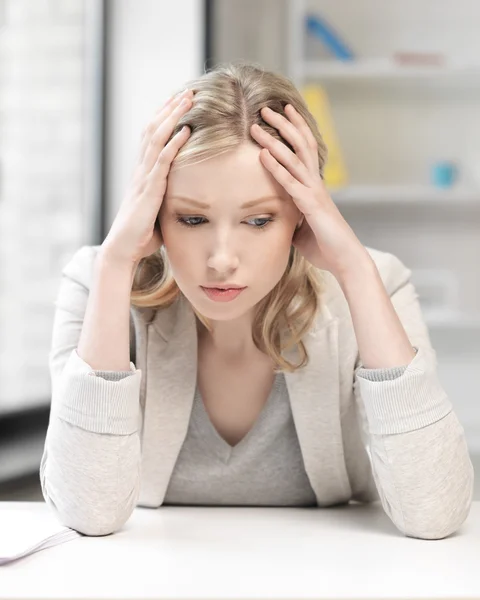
[(113, 444)]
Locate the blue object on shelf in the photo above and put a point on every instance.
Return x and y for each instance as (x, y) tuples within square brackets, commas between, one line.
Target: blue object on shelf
[(319, 28), (444, 174)]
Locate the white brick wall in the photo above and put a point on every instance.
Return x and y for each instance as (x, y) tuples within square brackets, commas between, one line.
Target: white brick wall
[(42, 180)]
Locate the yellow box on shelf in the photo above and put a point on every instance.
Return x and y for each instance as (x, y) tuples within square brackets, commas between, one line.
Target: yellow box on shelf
[(335, 172)]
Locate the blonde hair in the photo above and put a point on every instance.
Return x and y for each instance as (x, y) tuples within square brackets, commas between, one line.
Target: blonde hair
[(227, 101)]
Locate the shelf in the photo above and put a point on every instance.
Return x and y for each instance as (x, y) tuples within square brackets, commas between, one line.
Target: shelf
[(385, 68), (404, 194)]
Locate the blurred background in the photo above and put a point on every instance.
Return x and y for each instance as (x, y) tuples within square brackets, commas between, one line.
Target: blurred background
[(394, 86)]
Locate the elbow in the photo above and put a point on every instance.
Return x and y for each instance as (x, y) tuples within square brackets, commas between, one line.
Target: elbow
[(90, 514), (90, 521), (438, 530), (90, 483), (91, 525), (452, 512)]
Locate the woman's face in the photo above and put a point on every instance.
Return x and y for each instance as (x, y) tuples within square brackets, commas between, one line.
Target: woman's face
[(226, 242)]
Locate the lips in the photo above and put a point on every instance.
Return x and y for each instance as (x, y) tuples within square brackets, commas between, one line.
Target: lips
[(224, 287), (222, 295)]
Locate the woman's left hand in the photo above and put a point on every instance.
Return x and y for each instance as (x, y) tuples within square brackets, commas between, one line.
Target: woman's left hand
[(325, 239)]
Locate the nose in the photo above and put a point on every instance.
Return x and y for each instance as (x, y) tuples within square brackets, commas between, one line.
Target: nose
[(223, 258)]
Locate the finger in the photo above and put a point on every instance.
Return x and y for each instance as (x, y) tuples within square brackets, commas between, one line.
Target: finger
[(163, 133), (160, 170), (154, 123), (296, 118), (290, 133), (140, 175), (161, 114), (283, 154), (281, 174), (175, 98)]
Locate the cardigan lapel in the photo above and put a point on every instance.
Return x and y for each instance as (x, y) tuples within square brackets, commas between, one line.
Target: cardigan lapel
[(315, 402), (167, 345), (171, 375)]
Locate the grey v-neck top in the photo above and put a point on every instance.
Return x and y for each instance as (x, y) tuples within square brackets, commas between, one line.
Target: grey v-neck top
[(264, 469)]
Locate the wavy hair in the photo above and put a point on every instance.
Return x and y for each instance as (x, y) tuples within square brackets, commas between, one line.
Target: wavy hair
[(227, 101)]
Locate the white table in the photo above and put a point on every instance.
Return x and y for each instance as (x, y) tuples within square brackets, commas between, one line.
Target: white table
[(224, 553)]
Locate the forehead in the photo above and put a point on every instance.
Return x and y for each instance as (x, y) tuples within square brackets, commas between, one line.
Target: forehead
[(239, 172)]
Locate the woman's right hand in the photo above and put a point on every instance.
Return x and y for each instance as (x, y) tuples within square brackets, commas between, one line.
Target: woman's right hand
[(135, 232)]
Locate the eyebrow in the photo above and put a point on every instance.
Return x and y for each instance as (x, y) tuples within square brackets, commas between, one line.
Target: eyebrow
[(248, 204)]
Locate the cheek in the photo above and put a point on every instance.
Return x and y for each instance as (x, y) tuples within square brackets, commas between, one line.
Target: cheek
[(178, 245), (276, 243), (180, 251), (173, 235), (271, 255)]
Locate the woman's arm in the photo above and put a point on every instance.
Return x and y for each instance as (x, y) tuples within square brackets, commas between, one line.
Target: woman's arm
[(90, 468), (418, 450)]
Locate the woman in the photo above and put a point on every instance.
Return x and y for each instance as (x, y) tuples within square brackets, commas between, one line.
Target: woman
[(313, 383)]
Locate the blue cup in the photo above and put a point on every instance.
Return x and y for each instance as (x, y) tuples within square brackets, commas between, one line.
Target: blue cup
[(444, 174)]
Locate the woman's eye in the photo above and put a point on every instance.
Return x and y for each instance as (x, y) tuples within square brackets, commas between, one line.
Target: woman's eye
[(265, 222), (186, 221), (194, 221)]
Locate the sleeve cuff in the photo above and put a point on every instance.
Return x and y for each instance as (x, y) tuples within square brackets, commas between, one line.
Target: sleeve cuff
[(405, 403), (383, 374), (98, 404), (113, 375)]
